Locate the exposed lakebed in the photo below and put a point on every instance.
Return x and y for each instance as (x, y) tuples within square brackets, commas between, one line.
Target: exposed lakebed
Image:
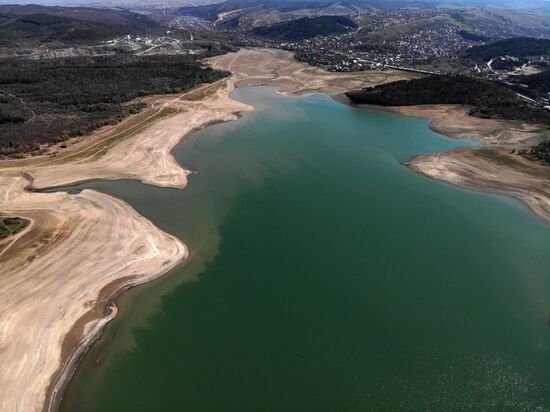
[(324, 275)]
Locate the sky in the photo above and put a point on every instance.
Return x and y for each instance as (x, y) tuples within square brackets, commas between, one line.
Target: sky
[(516, 4)]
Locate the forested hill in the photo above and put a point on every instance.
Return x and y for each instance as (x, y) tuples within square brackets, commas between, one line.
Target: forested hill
[(306, 27), (51, 100), (515, 47), (535, 85), (42, 24), (486, 99)]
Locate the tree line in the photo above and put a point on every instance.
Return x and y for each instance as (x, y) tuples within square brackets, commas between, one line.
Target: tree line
[(486, 99), (51, 100)]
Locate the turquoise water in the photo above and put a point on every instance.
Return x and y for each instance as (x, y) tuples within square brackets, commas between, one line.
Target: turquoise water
[(326, 276)]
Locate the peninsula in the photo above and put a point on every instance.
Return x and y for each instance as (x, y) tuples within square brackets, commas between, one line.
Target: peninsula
[(60, 273), (461, 107)]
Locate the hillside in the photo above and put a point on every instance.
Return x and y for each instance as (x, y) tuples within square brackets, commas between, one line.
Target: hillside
[(40, 24), (397, 31), (540, 152), (51, 100), (486, 99), (471, 24), (215, 11), (538, 85), (516, 47), (306, 27)]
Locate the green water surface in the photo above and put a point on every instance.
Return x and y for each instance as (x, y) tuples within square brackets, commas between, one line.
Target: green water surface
[(326, 276)]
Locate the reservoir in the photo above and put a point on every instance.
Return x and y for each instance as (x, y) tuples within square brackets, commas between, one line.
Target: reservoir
[(326, 276)]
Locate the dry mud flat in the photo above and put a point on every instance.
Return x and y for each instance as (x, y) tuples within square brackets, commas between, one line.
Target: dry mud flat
[(53, 276), (454, 121), (58, 276), (498, 169), (495, 170), (277, 68)]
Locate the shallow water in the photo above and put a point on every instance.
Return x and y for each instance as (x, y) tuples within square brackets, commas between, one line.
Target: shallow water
[(326, 276)]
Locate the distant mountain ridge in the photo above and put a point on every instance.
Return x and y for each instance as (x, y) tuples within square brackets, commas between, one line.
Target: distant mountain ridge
[(381, 4), (213, 11), (319, 7), (44, 24)]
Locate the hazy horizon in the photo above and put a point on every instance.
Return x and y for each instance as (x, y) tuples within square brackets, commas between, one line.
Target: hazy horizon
[(515, 4)]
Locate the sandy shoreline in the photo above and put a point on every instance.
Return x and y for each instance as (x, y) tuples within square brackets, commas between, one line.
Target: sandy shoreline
[(62, 274), (492, 170), (495, 167), (46, 280), (499, 169), (122, 255)]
